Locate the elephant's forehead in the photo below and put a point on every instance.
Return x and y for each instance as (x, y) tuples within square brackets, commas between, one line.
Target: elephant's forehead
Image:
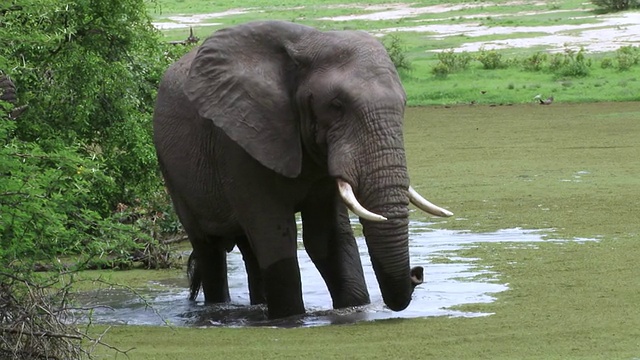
[(350, 44), (381, 90), (355, 78)]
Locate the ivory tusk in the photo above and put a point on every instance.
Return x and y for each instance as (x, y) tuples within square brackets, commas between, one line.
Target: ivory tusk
[(424, 204), (349, 198)]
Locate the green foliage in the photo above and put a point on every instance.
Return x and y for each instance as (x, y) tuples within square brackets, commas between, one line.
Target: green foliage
[(490, 59), (627, 57), (397, 52), (535, 62), (616, 5), (43, 197), (88, 71), (440, 71), (606, 63), (570, 63), (449, 62)]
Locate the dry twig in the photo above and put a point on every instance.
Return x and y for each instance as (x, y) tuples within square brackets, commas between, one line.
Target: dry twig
[(36, 321)]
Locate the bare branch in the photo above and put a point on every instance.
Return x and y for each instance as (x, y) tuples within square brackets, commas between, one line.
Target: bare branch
[(40, 333)]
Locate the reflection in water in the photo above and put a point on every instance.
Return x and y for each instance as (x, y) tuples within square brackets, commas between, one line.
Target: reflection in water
[(445, 285)]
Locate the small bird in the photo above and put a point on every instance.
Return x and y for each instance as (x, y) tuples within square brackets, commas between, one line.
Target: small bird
[(548, 101)]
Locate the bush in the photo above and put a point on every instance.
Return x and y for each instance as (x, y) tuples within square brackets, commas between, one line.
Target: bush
[(570, 63), (627, 57), (606, 63), (88, 71), (449, 61), (535, 62), (89, 85), (616, 5), (397, 52), (31, 326), (83, 145), (454, 61), (440, 71), (490, 59)]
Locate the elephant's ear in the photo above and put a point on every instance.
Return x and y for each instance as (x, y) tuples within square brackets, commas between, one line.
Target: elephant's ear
[(243, 79)]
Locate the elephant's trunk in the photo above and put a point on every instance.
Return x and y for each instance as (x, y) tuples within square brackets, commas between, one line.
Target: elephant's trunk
[(389, 252), (383, 189), (376, 167)]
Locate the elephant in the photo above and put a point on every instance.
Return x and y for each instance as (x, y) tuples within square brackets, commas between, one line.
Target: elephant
[(8, 94), (7, 89), (268, 119)]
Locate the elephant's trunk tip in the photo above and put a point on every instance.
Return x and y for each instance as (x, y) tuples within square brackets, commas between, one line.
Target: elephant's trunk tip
[(417, 275)]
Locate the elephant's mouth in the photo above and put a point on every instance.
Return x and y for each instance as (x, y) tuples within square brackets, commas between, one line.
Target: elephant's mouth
[(350, 200)]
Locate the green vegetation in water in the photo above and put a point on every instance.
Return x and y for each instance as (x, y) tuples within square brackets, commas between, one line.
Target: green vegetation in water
[(568, 168)]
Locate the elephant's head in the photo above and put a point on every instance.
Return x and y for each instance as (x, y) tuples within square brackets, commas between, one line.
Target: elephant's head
[(280, 90)]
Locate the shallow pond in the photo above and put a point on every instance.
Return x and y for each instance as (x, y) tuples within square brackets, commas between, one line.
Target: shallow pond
[(446, 284)]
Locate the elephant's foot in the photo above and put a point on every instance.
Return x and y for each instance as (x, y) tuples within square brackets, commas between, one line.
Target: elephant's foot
[(345, 283), (284, 289), (351, 299)]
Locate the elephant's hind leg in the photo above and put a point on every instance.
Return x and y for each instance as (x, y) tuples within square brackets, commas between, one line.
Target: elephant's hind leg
[(193, 274), (254, 275), (211, 271)]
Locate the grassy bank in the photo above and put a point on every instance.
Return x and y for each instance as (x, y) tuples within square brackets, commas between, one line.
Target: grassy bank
[(567, 168), (602, 76)]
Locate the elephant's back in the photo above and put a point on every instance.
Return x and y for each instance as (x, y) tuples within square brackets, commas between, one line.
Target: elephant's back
[(172, 105)]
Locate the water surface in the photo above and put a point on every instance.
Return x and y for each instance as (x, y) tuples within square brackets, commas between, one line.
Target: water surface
[(446, 285)]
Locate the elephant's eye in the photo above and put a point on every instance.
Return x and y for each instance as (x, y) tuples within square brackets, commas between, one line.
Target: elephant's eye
[(337, 104)]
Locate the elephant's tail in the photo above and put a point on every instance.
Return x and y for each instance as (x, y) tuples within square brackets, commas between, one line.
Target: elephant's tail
[(193, 274)]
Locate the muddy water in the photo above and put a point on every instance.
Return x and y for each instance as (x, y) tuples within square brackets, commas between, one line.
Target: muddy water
[(446, 285)]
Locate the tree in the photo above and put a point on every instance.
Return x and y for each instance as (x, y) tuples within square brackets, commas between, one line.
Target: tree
[(616, 5), (77, 83), (88, 71)]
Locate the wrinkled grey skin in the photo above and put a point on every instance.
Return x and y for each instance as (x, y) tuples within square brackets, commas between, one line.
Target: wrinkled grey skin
[(256, 125), (8, 94), (7, 89)]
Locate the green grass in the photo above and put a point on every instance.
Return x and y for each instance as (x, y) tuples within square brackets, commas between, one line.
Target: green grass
[(570, 168), (495, 167), (510, 85)]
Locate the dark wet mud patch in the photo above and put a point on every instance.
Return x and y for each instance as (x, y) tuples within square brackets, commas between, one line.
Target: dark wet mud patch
[(450, 281)]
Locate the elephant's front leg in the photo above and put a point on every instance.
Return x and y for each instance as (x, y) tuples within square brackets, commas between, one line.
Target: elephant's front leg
[(329, 241), (210, 270), (263, 205), (274, 243)]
